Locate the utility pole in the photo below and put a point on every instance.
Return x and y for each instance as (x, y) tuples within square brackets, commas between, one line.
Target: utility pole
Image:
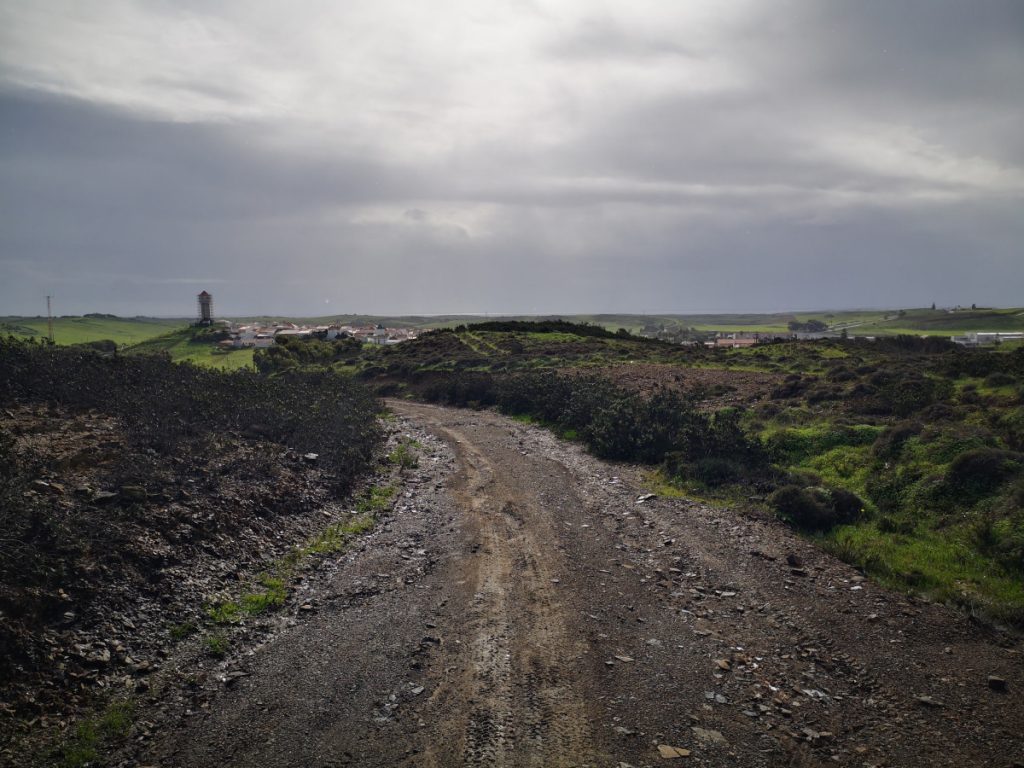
[(49, 320)]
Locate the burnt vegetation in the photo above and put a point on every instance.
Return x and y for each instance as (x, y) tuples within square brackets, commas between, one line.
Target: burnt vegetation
[(126, 483)]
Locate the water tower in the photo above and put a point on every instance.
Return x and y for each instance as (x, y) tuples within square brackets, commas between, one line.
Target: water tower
[(205, 303)]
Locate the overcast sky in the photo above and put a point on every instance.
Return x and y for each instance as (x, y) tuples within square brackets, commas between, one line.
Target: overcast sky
[(556, 156)]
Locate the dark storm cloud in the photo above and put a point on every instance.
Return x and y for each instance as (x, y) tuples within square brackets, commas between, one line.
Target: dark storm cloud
[(138, 167), (688, 158)]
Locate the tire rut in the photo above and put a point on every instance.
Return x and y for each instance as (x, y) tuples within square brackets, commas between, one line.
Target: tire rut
[(524, 710)]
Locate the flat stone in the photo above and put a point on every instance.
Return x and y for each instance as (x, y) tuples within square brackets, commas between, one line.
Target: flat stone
[(671, 753), (708, 736)]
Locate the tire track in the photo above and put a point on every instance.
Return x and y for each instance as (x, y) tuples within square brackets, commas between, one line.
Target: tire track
[(520, 708)]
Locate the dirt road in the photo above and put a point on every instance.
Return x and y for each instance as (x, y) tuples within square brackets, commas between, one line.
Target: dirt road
[(521, 607)]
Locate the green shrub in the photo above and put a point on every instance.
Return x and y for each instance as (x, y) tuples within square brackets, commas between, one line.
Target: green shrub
[(889, 444), (712, 472), (979, 473), (817, 509), (999, 379), (217, 643), (404, 456), (614, 423)]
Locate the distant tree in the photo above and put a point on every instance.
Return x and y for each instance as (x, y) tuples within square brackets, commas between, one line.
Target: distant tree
[(974, 306), (903, 313), (933, 306), (811, 326)]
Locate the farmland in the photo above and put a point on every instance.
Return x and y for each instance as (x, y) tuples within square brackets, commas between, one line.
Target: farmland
[(96, 327), (187, 344)]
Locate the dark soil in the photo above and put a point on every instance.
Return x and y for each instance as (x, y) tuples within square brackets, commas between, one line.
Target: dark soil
[(136, 545)]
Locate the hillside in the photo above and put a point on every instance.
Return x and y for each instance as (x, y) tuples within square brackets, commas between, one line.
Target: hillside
[(195, 345), (86, 328), (881, 322), (135, 330)]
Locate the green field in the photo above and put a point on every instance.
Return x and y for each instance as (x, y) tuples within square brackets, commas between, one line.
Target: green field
[(188, 344), (79, 330), (933, 322), (127, 331)]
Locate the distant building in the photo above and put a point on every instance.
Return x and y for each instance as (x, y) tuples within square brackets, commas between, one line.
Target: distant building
[(204, 301), (736, 340), (984, 338)]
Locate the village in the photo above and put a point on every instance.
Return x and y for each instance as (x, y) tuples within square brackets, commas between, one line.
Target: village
[(257, 335), (260, 335)]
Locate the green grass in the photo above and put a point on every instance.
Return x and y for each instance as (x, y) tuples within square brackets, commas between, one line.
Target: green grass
[(376, 499), (798, 444), (656, 482), (271, 594), (217, 643), (182, 345), (271, 590), (79, 330), (845, 466), (91, 736), (404, 456), (336, 537), (183, 630), (942, 565), (231, 360)]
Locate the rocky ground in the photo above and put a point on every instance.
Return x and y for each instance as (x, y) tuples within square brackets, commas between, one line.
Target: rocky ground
[(522, 603), (139, 546)]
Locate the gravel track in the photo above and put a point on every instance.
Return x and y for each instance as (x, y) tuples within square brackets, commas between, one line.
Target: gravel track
[(520, 607)]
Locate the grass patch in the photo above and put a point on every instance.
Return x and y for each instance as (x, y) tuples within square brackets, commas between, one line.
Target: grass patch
[(271, 596), (404, 456), (335, 537), (91, 736), (376, 499), (188, 345), (273, 584), (225, 613), (941, 565), (845, 467), (181, 631), (657, 482), (217, 643), (81, 330)]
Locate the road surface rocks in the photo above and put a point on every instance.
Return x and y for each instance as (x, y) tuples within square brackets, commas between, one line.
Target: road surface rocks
[(524, 605)]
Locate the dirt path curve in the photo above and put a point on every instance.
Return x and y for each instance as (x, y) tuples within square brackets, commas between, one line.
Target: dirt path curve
[(520, 606)]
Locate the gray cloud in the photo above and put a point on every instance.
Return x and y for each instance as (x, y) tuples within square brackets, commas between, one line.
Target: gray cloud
[(748, 156)]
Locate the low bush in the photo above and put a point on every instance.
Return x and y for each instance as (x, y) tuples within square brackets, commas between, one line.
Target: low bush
[(889, 444), (613, 423), (817, 508), (1000, 379), (978, 473), (713, 472)]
